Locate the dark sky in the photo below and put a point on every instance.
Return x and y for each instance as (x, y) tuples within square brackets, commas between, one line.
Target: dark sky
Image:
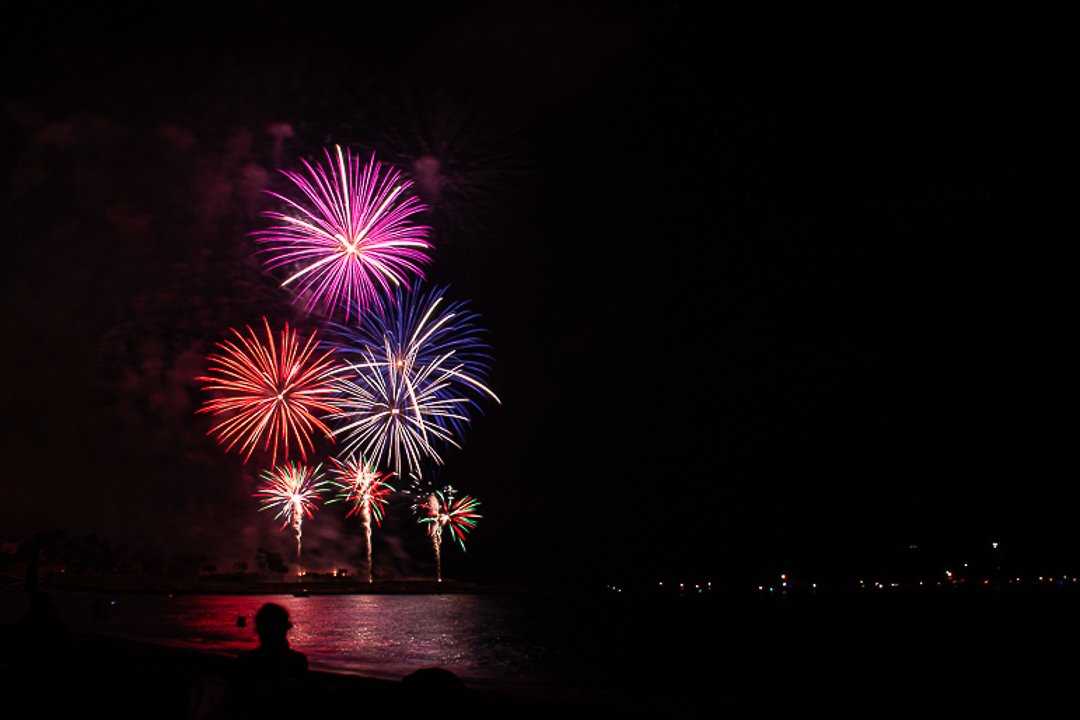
[(776, 289)]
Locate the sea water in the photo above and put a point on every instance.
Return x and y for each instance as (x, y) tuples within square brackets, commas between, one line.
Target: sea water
[(577, 647), (909, 653)]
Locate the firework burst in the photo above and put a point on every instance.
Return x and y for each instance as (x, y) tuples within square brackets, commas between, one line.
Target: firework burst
[(441, 510), (349, 240), (366, 490), (467, 160), (291, 491), (270, 392), (416, 374), (393, 418)]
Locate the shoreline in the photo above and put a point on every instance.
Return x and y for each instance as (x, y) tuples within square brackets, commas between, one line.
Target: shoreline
[(902, 655), (299, 588), (111, 676)]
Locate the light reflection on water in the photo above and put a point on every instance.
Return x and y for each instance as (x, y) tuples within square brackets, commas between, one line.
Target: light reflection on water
[(556, 646), (571, 646), (488, 640)]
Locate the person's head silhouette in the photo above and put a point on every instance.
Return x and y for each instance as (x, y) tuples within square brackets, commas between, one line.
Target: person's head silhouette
[(271, 624)]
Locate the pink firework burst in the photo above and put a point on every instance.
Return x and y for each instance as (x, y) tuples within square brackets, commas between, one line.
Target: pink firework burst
[(349, 240), (270, 392)]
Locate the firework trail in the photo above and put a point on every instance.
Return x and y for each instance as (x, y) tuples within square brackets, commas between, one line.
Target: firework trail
[(270, 391), (291, 491), (359, 484), (441, 510), (349, 240), (431, 507), (415, 373)]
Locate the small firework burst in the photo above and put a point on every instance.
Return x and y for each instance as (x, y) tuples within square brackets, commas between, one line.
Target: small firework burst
[(367, 492), (441, 509), (292, 491), (362, 486), (457, 514)]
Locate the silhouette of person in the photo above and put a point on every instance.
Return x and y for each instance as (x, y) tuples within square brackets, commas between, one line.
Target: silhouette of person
[(37, 652), (42, 619), (40, 633), (269, 680), (433, 687)]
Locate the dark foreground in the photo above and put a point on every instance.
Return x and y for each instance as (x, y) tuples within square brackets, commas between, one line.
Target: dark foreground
[(91, 676), (996, 652)]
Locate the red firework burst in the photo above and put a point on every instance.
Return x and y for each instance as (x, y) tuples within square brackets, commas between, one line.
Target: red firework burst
[(269, 392)]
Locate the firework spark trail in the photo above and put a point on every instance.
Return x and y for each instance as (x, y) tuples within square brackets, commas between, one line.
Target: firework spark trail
[(440, 510), (351, 234), (270, 391), (292, 491), (367, 490), (417, 372), (435, 533)]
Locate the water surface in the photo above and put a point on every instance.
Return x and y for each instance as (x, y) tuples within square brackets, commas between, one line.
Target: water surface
[(571, 647)]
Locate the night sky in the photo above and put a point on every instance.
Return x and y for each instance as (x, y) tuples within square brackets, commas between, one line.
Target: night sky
[(783, 290)]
